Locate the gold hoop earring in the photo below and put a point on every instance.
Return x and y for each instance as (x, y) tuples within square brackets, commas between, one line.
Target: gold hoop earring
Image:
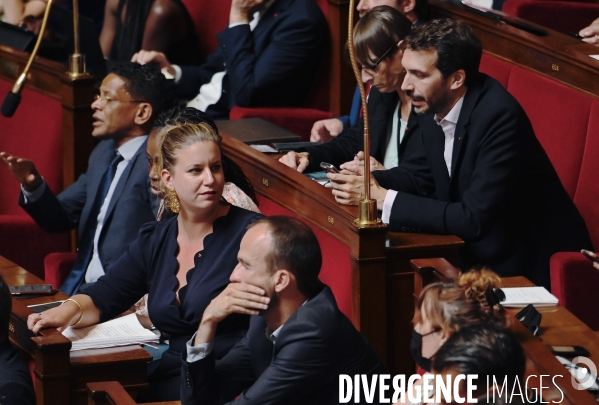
[(172, 201)]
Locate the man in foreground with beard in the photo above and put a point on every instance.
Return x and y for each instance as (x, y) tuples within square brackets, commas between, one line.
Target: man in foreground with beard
[(478, 172), (298, 342)]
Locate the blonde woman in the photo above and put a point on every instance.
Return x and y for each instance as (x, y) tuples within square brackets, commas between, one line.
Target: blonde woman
[(182, 263)]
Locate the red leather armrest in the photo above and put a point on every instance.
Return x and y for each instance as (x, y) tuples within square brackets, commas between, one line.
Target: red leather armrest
[(58, 266)]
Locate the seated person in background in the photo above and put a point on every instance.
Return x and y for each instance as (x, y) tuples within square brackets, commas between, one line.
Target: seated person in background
[(478, 171), (111, 201), (324, 130), (182, 263), (268, 56), (29, 13), (590, 34), (296, 348), (377, 41), (16, 387), (15, 11), (487, 350), (161, 25), (444, 308), (238, 189)]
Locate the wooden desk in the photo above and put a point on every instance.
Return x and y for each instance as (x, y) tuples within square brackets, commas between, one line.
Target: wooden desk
[(379, 274), (559, 56), (558, 327), (61, 375)]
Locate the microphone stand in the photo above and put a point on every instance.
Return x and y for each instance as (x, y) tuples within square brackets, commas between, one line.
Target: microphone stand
[(367, 205), (13, 98), (76, 60)]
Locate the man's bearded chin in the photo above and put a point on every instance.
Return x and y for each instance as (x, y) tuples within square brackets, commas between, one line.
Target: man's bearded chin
[(418, 110)]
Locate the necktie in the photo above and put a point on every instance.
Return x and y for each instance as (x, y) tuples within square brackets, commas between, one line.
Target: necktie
[(86, 242)]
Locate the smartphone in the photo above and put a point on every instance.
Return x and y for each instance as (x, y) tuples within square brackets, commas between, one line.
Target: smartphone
[(574, 34), (39, 308), (569, 351), (590, 255), (329, 168), (39, 289)]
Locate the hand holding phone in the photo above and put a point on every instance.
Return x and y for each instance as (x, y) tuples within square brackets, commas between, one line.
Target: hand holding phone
[(329, 168)]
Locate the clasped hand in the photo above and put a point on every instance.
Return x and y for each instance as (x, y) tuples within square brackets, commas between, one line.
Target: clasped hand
[(348, 186)]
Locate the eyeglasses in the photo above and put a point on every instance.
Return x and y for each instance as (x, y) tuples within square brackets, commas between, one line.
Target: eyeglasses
[(105, 100), (378, 62)]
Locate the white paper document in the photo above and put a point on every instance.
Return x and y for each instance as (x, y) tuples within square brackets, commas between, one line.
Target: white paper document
[(519, 297), (121, 331)]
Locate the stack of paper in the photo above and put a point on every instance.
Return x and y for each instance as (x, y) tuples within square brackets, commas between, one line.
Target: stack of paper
[(519, 297), (119, 332)]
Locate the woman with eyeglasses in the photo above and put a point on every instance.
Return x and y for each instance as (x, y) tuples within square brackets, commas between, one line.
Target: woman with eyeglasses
[(378, 39)]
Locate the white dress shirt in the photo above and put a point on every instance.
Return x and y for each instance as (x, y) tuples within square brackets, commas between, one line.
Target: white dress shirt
[(127, 151), (448, 125), (392, 151)]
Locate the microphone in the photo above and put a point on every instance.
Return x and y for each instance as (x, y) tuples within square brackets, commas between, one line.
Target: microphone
[(11, 102), (13, 98)]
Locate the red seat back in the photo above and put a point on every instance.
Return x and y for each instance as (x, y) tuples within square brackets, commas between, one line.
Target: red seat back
[(35, 133), (209, 18), (559, 116), (336, 266), (586, 197), (496, 68)]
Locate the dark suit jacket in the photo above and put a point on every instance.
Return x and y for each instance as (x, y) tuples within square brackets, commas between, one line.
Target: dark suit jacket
[(16, 387), (503, 198), (313, 347), (274, 65), (131, 206), (344, 147)]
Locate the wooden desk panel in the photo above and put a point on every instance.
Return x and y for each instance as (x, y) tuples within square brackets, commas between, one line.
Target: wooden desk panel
[(559, 56), (61, 375)]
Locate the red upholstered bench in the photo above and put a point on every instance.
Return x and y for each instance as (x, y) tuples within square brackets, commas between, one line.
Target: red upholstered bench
[(566, 122), (34, 132)]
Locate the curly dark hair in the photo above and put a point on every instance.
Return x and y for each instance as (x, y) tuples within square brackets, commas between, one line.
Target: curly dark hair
[(147, 83), (488, 350), (455, 42)]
